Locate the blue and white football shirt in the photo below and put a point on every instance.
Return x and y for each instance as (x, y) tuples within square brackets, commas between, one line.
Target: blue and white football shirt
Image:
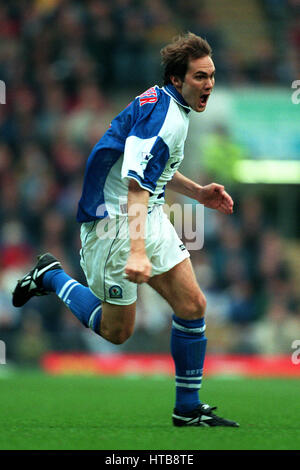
[(144, 142)]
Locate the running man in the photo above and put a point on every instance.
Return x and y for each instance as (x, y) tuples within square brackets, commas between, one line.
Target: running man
[(126, 237)]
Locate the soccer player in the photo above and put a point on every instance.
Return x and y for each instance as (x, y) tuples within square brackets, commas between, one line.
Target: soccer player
[(126, 237)]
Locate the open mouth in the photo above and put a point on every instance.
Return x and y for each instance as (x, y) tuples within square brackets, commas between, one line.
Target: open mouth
[(204, 98)]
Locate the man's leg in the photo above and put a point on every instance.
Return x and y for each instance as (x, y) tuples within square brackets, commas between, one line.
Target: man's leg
[(188, 344), (78, 298), (113, 322), (180, 288), (117, 323)]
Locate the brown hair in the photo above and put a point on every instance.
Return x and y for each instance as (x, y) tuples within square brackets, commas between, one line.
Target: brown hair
[(176, 55)]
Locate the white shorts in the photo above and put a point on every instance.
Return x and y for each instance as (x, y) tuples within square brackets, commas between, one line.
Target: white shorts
[(106, 247)]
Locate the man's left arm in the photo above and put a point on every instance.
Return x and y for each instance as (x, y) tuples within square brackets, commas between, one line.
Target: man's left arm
[(212, 195)]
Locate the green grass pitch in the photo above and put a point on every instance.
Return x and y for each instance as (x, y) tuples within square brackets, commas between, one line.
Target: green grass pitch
[(42, 412)]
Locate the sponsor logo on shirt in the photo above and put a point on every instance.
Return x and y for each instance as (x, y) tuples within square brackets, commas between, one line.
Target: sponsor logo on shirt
[(146, 157), (149, 96)]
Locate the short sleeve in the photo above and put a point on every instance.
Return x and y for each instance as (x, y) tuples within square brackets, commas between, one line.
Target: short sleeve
[(146, 151)]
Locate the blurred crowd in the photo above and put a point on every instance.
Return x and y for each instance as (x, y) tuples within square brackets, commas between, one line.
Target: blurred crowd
[(67, 65)]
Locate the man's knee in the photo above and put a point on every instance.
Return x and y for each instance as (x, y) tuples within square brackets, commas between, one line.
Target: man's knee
[(117, 323), (116, 334), (119, 337), (193, 308)]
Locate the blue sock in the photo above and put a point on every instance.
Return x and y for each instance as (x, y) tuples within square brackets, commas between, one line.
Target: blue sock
[(80, 299), (188, 346)]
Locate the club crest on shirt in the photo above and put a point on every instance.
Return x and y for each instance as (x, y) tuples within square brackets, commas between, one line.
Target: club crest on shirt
[(115, 292)]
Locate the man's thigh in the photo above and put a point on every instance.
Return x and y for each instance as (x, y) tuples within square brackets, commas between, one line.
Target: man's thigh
[(179, 287)]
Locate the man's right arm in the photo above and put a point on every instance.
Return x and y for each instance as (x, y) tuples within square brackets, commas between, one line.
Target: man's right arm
[(138, 267)]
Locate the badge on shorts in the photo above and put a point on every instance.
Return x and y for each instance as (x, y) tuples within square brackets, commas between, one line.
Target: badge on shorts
[(182, 247), (115, 292)]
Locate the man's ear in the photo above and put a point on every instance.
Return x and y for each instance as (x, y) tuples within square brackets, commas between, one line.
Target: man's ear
[(176, 81)]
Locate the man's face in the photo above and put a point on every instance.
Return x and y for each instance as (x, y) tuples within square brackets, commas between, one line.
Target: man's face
[(198, 83)]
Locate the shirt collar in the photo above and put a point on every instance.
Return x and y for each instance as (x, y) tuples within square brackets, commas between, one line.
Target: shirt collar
[(171, 90)]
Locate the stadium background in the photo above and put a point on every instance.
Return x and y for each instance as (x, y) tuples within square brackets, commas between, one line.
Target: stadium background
[(69, 67)]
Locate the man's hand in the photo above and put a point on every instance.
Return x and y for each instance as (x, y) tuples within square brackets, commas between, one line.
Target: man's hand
[(214, 196), (138, 268)]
